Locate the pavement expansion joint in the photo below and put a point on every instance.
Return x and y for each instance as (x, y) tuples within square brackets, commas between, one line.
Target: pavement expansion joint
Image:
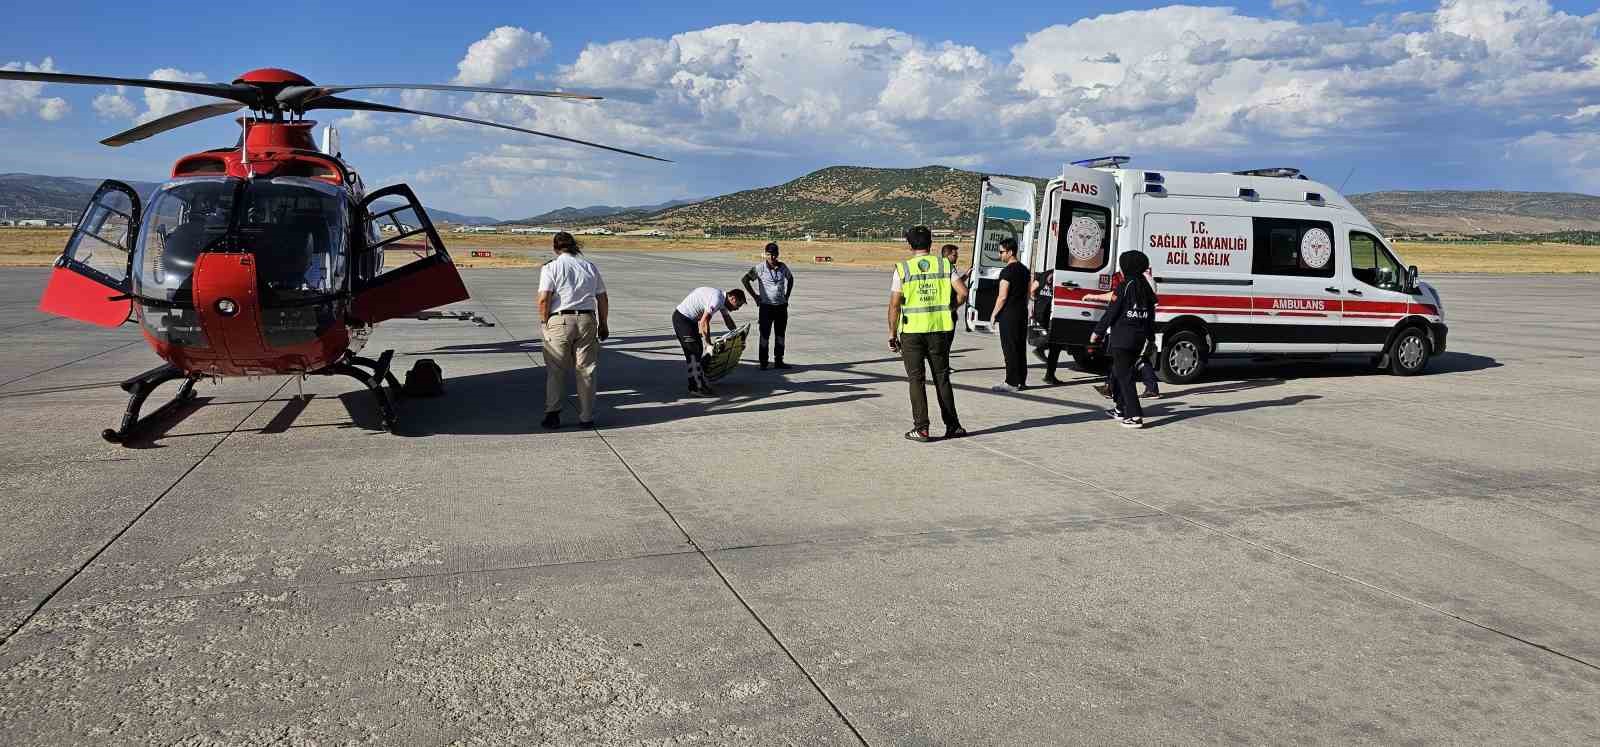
[(1311, 564), (123, 346), (728, 583), (23, 623), (977, 443)]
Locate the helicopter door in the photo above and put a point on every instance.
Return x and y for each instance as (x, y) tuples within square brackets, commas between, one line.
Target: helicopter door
[(90, 280), (404, 269)]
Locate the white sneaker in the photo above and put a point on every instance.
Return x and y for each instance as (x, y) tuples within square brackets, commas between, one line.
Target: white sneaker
[(1003, 388), (1133, 422)]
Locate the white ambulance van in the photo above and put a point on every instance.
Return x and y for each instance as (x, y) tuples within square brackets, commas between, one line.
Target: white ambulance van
[(1262, 262)]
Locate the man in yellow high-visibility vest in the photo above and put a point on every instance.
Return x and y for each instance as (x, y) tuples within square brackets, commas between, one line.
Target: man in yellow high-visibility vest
[(920, 297)]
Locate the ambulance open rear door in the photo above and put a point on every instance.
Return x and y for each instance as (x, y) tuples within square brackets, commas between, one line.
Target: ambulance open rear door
[(1081, 214), (1006, 209)]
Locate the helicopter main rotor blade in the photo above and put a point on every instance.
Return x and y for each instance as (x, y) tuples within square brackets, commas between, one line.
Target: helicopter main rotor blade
[(334, 102), (171, 122), (296, 96), (243, 94)]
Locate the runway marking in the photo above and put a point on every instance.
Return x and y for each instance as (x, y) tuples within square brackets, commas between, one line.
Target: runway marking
[(23, 624)]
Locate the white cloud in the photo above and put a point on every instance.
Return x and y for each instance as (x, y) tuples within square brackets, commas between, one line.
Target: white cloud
[(1585, 114), (20, 98), (53, 109), (115, 105), (160, 103), (493, 58), (1574, 155), (385, 144)]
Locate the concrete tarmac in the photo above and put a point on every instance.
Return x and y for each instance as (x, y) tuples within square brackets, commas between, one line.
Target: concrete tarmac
[(1303, 551)]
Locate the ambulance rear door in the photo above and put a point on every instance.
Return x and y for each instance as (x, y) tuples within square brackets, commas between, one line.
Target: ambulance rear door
[(1006, 209), (1083, 220)]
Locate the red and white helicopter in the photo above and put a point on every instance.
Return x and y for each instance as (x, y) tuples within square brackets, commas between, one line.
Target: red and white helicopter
[(267, 257)]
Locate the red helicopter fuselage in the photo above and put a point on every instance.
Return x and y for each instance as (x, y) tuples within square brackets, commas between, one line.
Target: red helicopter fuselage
[(262, 259)]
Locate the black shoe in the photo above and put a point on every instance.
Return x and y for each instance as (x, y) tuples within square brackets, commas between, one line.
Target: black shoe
[(1103, 390), (585, 423), (1052, 381), (956, 432), (920, 435), (1114, 414), (552, 420), (781, 364), (764, 366), (1150, 394)]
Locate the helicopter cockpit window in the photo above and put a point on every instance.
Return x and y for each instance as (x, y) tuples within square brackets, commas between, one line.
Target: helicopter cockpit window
[(297, 230), (184, 218), (100, 241), (401, 238)]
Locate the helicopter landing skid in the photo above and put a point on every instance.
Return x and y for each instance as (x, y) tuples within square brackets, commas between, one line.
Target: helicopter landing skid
[(139, 389), (374, 381)]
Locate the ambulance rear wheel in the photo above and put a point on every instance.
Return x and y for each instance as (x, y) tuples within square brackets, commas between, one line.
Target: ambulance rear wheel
[(1409, 353), (1183, 358)]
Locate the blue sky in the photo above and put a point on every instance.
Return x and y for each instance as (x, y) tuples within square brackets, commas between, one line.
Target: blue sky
[(1470, 94)]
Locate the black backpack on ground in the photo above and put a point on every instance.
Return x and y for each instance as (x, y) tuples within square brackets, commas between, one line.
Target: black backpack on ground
[(425, 379)]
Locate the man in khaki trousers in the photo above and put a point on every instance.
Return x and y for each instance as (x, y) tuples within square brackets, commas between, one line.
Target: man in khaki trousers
[(572, 309)]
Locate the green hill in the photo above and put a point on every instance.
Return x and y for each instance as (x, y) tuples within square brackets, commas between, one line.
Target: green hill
[(839, 200)]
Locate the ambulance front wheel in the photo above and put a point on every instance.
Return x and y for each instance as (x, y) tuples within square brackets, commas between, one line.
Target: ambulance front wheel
[(1409, 353), (1183, 358)]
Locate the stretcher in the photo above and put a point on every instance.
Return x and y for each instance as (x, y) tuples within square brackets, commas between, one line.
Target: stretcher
[(725, 353)]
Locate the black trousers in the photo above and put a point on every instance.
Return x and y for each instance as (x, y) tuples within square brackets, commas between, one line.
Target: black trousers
[(694, 349), (1123, 386), (1014, 345), (1052, 359), (1145, 367), (773, 319), (923, 354)]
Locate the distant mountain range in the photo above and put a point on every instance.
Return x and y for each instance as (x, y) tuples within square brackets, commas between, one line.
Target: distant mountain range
[(1468, 213), (846, 200), (566, 215)]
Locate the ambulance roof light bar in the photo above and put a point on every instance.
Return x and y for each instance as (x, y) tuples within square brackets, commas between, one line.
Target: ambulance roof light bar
[(1101, 162), (1278, 172)]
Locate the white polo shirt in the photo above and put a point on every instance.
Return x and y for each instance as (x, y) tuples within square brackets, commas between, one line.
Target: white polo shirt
[(573, 281), (702, 301)]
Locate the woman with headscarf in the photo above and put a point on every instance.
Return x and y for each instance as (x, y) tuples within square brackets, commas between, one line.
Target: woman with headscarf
[(1127, 328)]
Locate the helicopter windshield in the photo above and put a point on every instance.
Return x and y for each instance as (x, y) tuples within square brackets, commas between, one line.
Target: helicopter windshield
[(297, 229), (184, 218)]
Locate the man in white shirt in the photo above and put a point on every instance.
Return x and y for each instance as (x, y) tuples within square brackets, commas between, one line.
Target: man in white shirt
[(691, 322), (571, 297), (774, 284)]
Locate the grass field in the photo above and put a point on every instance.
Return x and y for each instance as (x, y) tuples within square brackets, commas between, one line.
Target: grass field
[(38, 247)]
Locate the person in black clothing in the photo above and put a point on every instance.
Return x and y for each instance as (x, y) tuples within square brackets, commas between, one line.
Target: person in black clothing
[(1128, 328), (1011, 317), (1043, 292)]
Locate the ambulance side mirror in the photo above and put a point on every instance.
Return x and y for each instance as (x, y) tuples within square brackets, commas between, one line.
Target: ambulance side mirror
[(1411, 279)]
